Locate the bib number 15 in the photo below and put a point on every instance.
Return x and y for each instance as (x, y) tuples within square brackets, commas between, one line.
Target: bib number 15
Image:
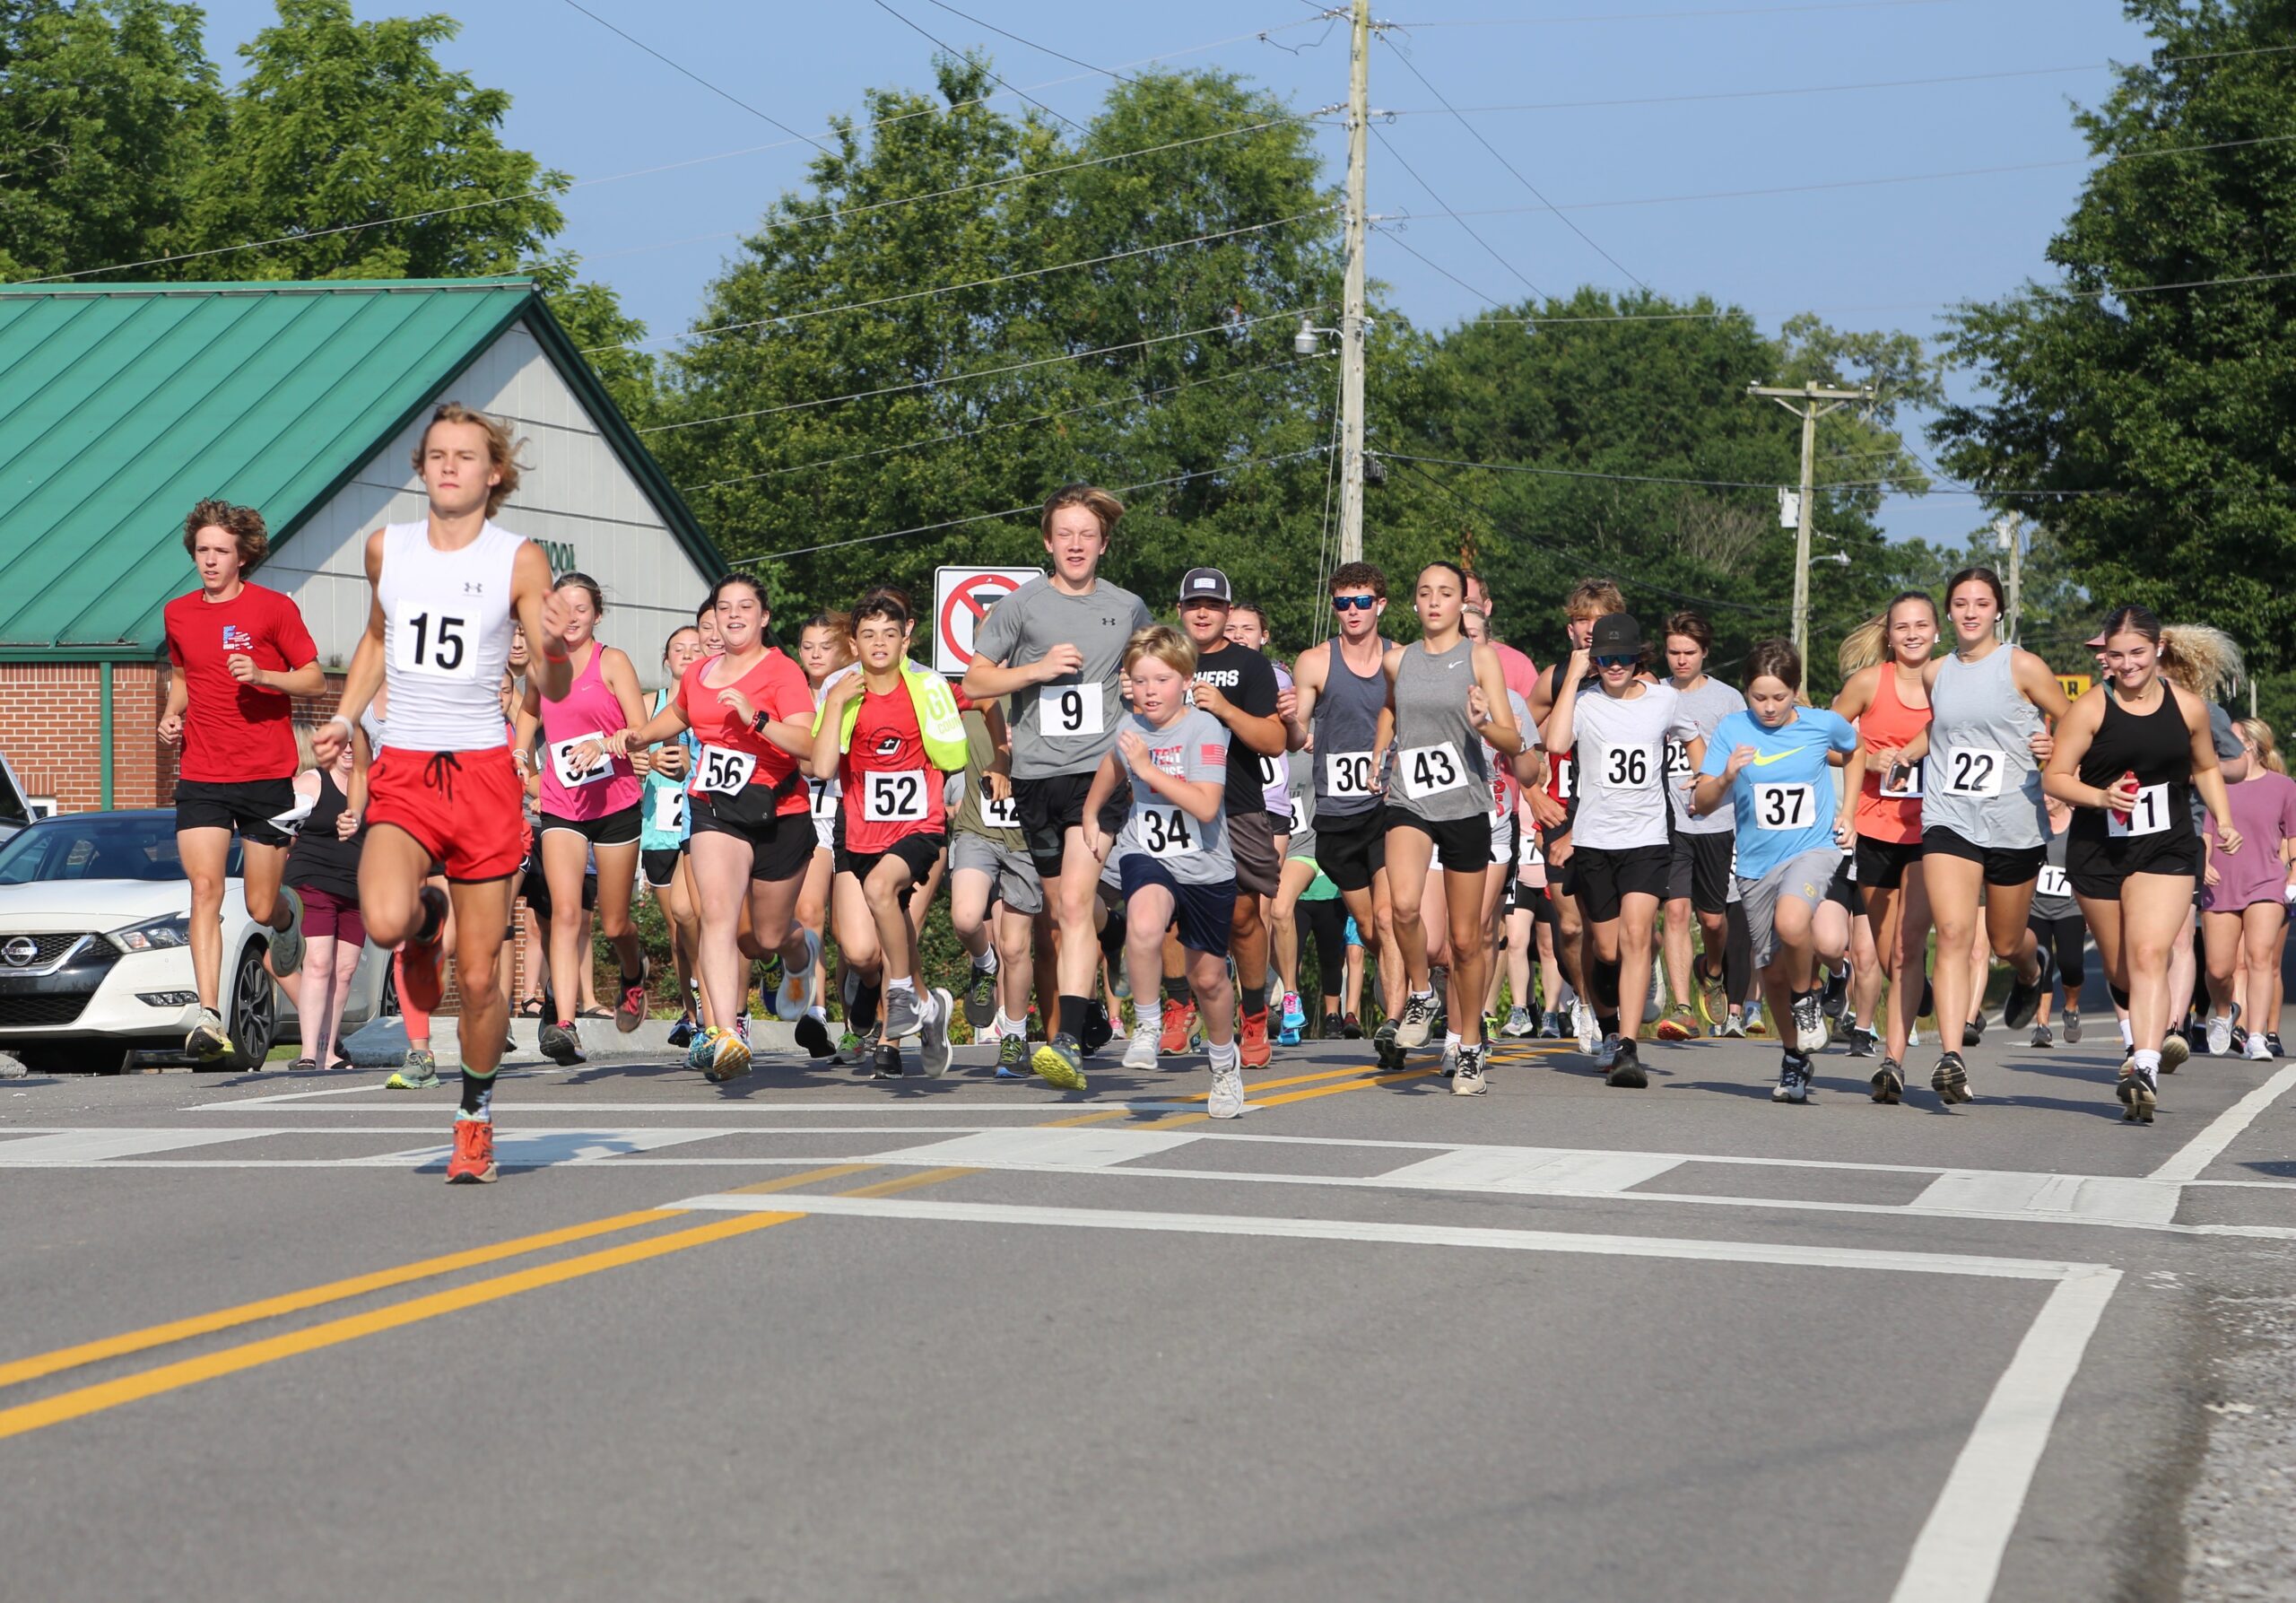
[(434, 643)]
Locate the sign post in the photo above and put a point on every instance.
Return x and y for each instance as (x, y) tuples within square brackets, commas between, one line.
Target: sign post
[(961, 597)]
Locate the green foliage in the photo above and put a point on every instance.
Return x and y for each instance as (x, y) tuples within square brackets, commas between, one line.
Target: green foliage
[(2164, 417)]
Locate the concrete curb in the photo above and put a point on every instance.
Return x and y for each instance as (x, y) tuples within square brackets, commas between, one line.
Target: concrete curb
[(382, 1044)]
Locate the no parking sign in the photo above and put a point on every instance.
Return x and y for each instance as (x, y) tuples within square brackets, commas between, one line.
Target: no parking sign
[(961, 597)]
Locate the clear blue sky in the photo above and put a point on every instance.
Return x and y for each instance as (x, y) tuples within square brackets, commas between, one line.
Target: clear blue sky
[(1878, 257)]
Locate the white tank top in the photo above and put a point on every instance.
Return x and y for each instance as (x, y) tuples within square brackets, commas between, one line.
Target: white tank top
[(446, 637)]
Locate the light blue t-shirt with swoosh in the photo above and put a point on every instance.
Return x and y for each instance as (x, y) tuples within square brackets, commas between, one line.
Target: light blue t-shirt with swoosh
[(1785, 798)]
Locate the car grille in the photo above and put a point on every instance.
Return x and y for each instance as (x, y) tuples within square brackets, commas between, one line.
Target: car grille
[(50, 948), (41, 1009)]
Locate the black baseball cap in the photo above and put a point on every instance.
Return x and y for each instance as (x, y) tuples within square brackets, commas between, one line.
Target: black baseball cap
[(1616, 634), (1205, 584)]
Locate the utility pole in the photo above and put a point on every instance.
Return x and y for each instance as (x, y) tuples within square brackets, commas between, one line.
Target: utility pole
[(1351, 320), (2009, 530), (1809, 402)]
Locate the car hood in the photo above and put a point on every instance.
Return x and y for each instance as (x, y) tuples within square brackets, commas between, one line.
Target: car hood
[(94, 904)]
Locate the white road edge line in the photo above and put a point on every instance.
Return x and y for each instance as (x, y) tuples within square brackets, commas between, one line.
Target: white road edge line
[(1958, 1554), (2206, 1147)]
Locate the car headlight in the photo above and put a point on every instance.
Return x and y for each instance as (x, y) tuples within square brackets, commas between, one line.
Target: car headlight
[(153, 934)]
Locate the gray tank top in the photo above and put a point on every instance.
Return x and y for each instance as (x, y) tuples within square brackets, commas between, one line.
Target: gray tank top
[(1980, 780), (1347, 723), (1437, 773)]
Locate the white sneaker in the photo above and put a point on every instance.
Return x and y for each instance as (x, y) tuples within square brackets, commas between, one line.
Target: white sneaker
[(1582, 1022), (1450, 1058), (1140, 1047), (1469, 1081), (2259, 1049), (796, 985), (1226, 1098), (2220, 1035)]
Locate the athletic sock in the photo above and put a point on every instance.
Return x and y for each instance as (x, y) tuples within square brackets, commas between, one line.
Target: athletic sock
[(1451, 1041), (1176, 991), (2148, 1060), (907, 986), (1073, 1012), (1224, 1057), (986, 964), (2128, 1036), (478, 1096), (1009, 1026)]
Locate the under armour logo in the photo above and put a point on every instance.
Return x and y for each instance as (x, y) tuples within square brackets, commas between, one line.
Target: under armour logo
[(473, 589)]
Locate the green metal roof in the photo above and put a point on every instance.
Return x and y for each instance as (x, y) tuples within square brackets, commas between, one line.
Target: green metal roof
[(121, 406)]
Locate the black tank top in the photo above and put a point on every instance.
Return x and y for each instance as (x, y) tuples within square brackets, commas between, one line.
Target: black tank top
[(2155, 745), (318, 857)]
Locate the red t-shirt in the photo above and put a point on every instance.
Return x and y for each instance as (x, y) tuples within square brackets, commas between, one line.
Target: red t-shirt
[(776, 687), (892, 788), (233, 731)]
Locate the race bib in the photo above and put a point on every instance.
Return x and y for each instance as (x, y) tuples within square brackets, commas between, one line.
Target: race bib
[(1271, 772), (821, 800), (2149, 817), (1785, 806), (996, 814), (1431, 770), (669, 810), (722, 771), (1973, 771), (1678, 760), (439, 644), (1295, 816), (1069, 711), (896, 797), (2052, 881), (1167, 832), (571, 774), (1347, 773), (1908, 785), (1566, 777), (1627, 768), (1527, 854)]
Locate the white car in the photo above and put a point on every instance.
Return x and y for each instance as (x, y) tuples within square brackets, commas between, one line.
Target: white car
[(95, 959)]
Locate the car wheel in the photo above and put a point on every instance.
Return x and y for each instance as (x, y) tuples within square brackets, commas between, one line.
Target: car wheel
[(387, 1003), (254, 1024)]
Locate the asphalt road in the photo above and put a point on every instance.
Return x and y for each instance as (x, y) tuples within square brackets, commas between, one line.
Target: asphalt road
[(810, 1337)]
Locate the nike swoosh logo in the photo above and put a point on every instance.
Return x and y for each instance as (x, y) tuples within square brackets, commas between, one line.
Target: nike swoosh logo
[(1773, 757)]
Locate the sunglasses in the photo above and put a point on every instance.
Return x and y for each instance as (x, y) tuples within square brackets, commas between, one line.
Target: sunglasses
[(1614, 662), (1348, 604)]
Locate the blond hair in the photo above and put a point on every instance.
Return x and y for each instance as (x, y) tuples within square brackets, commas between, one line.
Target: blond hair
[(502, 448), (2267, 748), (1868, 645), (1592, 598), (2203, 661), (1094, 500), (1167, 645), (305, 758)]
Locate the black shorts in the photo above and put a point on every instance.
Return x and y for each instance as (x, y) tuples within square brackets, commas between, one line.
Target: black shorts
[(246, 805), (1882, 864), (536, 889), (920, 852), (1251, 841), (2004, 865), (1607, 877), (2095, 867), (1843, 889), (1699, 870), (1463, 844), (615, 829), (1206, 913), (1351, 850), (781, 849), (1052, 806), (660, 866)]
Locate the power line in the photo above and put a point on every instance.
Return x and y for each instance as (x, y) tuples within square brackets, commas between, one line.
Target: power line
[(890, 389), (948, 49), (1669, 16), (1388, 145), (689, 72), (1394, 238)]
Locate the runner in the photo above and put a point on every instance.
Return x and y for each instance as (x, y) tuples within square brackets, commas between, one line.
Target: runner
[(444, 789), (240, 652), (1787, 853), (2256, 736), (589, 810), (1698, 880), (1618, 850), (1172, 856), (751, 711), (1247, 628), (2207, 667), (1056, 645), (1341, 697), (1885, 694), (1445, 701), (2058, 930), (990, 872), (1520, 672), (887, 734), (1983, 824), (1506, 794), (2244, 907), (323, 868), (2128, 757), (664, 832), (1555, 807), (1237, 686), (825, 652)]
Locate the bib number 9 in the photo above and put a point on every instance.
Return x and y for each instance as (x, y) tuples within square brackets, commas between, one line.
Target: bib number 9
[(893, 797), (1164, 832), (722, 771), (1785, 806), (1069, 711), (433, 643)]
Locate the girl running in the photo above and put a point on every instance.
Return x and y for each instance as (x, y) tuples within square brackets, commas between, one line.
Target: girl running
[(664, 832), (323, 868), (2128, 757), (2059, 932), (825, 652), (2244, 907)]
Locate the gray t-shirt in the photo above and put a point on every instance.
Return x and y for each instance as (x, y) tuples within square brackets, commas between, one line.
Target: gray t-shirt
[(2227, 749), (1068, 726), (1193, 850), (1704, 709)]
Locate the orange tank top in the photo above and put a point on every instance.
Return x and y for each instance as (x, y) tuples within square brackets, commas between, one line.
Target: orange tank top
[(1888, 724)]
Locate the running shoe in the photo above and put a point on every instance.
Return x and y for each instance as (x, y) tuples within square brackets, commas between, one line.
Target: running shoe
[(1889, 1082), (1294, 1019), (1013, 1058), (560, 1044), (207, 1040), (1756, 1026), (1140, 1047), (885, 1065), (1809, 1022), (287, 944), (1518, 1023), (2272, 1040), (1288, 1033), (472, 1162), (1837, 991), (1099, 1029), (1973, 1032), (980, 998), (2240, 1038), (419, 1072), (1734, 1026), (2073, 1027), (2258, 1052), (904, 1012), (1383, 1044), (2042, 1037), (1352, 1027), (1450, 1065), (630, 1011), (1551, 1026), (1173, 1036), (1121, 983), (2023, 1002), (1226, 1098), (1252, 1041), (1333, 1028), (1417, 1022), (1951, 1079), (1793, 1079), (422, 963), (2220, 1036), (933, 1044), (812, 1034), (729, 1057), (681, 1034), (1680, 1022), (1607, 1053), (1713, 993), (2175, 1054), (1469, 1079), (1060, 1063), (2139, 1092), (697, 1056), (1583, 1025), (848, 1048), (795, 992), (1863, 1041), (1626, 1070)]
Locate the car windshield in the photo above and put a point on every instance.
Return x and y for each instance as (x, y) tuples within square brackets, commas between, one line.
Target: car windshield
[(97, 846)]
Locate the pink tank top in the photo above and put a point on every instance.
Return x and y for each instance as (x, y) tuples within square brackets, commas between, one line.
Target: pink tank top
[(589, 708)]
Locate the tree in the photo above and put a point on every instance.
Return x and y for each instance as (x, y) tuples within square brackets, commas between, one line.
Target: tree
[(2141, 409)]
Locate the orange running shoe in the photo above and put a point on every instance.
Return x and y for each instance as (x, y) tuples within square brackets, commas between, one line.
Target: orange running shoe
[(1252, 1040), (473, 1164), (1173, 1041), (422, 965)]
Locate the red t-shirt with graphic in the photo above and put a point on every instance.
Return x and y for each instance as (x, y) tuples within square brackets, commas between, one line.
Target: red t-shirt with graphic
[(892, 788), (232, 731)]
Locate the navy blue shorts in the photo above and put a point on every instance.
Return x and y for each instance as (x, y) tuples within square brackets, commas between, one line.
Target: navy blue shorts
[(1206, 913)]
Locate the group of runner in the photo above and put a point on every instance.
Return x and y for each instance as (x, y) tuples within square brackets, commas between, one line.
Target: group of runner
[(1106, 794)]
